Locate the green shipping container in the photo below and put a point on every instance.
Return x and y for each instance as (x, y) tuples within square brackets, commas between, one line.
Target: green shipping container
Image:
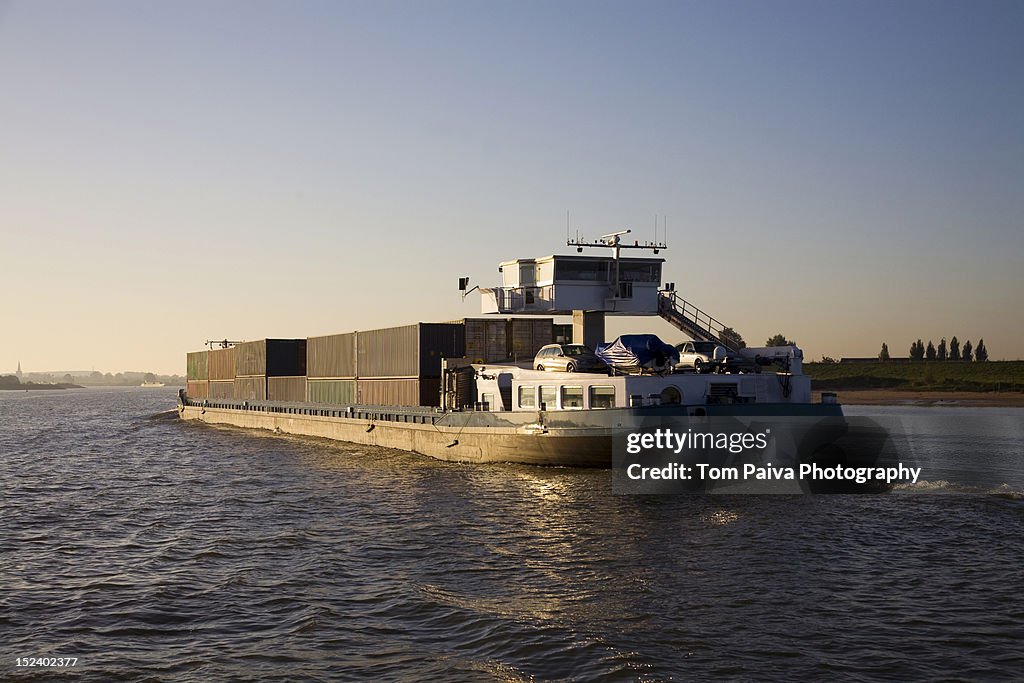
[(339, 392), (196, 366)]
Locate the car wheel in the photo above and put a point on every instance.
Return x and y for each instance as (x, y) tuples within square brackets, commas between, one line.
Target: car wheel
[(698, 365), (540, 367), (570, 367)]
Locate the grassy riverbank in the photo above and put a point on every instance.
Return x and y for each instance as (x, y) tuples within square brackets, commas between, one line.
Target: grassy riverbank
[(923, 376)]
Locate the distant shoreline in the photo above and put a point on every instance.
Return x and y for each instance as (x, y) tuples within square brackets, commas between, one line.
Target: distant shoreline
[(40, 387), (893, 397)]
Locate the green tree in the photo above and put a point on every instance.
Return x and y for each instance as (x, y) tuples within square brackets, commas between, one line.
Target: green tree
[(968, 354), (954, 349), (779, 340), (941, 351), (68, 379), (930, 351), (981, 353), (917, 350), (149, 378), (732, 338), (883, 355)]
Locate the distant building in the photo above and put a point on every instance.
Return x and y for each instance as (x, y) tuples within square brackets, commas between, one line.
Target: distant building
[(18, 373)]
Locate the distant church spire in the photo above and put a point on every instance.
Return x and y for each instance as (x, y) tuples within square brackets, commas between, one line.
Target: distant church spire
[(18, 373)]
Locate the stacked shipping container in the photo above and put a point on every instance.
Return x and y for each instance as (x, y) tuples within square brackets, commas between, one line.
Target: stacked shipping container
[(393, 366), (331, 369), (256, 361), (197, 375), (221, 364)]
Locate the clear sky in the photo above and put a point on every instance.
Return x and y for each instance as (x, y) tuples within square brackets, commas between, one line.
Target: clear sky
[(840, 172)]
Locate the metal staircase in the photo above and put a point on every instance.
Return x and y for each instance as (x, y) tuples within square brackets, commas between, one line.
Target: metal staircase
[(690, 319)]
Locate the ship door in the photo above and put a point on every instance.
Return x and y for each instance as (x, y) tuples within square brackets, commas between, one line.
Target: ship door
[(505, 390)]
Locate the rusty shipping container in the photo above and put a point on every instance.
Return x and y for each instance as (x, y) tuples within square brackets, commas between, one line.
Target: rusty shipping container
[(196, 366), (399, 392), (271, 357), (529, 335), (408, 351), (339, 392), (291, 389), (220, 389), (221, 363), (197, 389), (251, 388), (331, 356)]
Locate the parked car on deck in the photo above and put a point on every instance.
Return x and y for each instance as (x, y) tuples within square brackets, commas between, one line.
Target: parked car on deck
[(568, 358), (702, 356)]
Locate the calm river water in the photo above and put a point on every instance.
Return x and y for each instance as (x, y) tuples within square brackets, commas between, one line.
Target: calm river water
[(157, 550)]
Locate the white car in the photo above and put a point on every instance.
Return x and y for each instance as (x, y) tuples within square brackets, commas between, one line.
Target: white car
[(701, 356)]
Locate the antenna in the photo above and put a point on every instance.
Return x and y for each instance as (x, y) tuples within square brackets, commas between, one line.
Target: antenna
[(222, 343)]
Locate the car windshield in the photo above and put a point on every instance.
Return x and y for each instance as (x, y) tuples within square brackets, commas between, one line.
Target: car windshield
[(704, 347), (576, 350)]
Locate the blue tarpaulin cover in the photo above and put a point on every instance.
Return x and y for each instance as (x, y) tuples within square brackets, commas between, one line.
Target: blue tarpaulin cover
[(631, 352)]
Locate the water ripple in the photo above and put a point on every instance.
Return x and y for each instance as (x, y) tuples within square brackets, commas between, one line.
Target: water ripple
[(156, 550)]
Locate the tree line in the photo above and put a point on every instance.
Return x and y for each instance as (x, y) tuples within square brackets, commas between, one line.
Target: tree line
[(918, 351), (736, 341)]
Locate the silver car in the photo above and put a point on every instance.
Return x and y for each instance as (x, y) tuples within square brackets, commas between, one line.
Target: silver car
[(702, 356), (568, 358)]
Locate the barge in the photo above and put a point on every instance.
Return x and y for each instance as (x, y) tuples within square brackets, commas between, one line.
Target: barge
[(468, 390)]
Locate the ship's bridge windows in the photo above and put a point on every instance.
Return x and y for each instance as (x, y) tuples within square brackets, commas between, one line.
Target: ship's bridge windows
[(572, 398), (591, 271), (549, 397), (602, 397), (671, 396), (639, 272), (488, 401), (527, 397)]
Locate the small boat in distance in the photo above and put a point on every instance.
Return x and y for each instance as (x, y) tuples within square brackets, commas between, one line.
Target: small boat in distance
[(149, 385)]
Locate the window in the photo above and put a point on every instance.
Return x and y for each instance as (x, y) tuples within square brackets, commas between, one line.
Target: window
[(488, 400), (572, 398), (639, 272), (549, 398), (602, 397), (527, 397), (671, 396), (593, 271)]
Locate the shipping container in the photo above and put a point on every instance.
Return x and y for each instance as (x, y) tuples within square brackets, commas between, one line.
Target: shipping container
[(486, 340), (400, 392), (408, 351), (291, 389), (220, 389), (339, 392), (271, 357), (251, 388), (529, 335), (196, 367), (221, 363), (197, 389), (331, 356)]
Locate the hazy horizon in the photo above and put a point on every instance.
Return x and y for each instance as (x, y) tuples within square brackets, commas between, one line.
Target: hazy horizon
[(842, 173)]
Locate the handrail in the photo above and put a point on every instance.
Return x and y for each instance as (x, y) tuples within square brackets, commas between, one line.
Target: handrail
[(698, 322)]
